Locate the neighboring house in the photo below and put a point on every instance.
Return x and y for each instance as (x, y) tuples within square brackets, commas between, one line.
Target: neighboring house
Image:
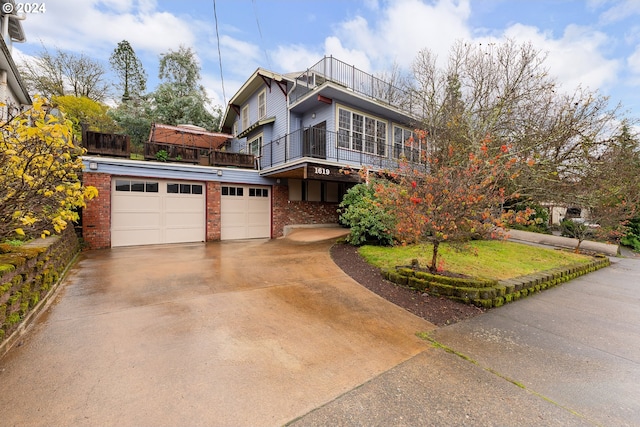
[(293, 145), (13, 93)]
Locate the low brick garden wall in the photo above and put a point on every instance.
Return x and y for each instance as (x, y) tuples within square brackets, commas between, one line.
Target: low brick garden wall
[(29, 275), (490, 293)]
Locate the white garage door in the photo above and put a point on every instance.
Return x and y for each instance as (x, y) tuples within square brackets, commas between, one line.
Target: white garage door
[(246, 212), (148, 212)]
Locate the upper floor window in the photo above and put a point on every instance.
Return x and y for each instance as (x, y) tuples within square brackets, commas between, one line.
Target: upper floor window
[(360, 132), (235, 128), (262, 104), (245, 117), (407, 145)]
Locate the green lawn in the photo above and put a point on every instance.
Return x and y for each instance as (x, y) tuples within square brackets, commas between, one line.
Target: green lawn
[(489, 259)]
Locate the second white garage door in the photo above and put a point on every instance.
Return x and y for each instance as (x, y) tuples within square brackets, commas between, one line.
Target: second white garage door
[(246, 212), (148, 212)]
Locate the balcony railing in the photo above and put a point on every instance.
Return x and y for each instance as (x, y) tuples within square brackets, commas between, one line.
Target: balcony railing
[(106, 144), (322, 145), (343, 74), (202, 156)]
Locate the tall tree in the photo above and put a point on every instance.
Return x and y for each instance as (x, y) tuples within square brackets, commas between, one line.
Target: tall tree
[(62, 73), (82, 110), (180, 98), (133, 77), (134, 118), (503, 94)]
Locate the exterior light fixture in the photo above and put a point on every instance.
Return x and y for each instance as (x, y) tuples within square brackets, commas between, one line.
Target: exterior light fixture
[(93, 166), (219, 172)]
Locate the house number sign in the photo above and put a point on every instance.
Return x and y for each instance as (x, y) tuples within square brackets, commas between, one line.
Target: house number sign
[(321, 171)]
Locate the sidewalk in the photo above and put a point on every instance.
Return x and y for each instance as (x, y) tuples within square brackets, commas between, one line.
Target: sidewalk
[(563, 242)]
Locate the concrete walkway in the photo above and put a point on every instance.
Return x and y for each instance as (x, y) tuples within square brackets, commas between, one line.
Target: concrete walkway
[(265, 333)]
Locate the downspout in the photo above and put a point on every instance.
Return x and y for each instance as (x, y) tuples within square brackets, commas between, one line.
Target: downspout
[(286, 148), (5, 28), (4, 113)]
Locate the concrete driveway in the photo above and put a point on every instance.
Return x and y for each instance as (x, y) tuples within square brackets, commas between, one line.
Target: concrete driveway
[(260, 333), (234, 334)]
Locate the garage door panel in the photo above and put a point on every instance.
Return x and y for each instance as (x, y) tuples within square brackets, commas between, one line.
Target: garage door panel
[(133, 236), (125, 220), (132, 202), (248, 215), (184, 220), (181, 235), (156, 217)]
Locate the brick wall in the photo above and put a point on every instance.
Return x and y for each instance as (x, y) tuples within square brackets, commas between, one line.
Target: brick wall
[(96, 216), (213, 211), (286, 212)]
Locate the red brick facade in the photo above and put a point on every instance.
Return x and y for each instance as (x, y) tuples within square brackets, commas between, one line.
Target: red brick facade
[(285, 212), (96, 216), (213, 211)]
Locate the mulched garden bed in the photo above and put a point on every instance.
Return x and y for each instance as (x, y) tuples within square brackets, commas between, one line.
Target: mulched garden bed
[(437, 310)]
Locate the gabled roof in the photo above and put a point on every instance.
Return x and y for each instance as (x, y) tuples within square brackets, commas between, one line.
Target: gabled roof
[(253, 83), (187, 135), (14, 80)]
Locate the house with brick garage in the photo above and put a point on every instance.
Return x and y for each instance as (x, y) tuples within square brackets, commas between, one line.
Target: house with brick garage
[(291, 146)]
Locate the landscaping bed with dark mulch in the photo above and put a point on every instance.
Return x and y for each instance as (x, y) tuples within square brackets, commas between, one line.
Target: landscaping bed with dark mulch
[(438, 310)]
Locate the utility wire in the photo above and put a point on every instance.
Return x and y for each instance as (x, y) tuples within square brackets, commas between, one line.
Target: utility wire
[(215, 17), (255, 12)]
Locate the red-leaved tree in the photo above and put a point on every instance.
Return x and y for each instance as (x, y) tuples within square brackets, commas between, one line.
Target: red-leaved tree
[(453, 201)]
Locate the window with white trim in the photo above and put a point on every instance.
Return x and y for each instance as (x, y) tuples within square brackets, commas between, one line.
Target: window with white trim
[(262, 104), (245, 117), (254, 146), (361, 132), (407, 145)]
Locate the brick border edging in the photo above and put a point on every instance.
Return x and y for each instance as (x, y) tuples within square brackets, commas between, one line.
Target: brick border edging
[(503, 291), (64, 250)]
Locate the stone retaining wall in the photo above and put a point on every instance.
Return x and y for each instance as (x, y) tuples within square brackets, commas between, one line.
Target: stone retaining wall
[(29, 275), (487, 293)]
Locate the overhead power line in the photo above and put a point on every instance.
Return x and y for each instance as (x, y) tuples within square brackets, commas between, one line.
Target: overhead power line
[(215, 17)]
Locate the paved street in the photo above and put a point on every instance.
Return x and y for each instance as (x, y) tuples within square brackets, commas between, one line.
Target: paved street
[(265, 333), (567, 356)]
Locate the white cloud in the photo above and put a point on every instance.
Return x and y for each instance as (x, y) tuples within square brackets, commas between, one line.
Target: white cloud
[(404, 28), (620, 11), (633, 62), (576, 58), (96, 27), (292, 58)]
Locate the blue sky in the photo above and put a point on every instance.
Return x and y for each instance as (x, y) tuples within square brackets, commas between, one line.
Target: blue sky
[(595, 43)]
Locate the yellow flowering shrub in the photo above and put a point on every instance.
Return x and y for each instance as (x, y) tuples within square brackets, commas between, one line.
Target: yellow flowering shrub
[(40, 167)]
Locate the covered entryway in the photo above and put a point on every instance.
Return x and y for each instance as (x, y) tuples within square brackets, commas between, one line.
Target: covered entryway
[(152, 211), (245, 212)]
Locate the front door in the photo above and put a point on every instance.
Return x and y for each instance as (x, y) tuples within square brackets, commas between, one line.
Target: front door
[(315, 141)]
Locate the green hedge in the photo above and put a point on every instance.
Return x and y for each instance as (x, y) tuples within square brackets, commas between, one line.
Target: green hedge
[(490, 293)]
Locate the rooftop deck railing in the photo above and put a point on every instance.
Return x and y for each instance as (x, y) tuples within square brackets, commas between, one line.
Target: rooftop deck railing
[(343, 74)]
